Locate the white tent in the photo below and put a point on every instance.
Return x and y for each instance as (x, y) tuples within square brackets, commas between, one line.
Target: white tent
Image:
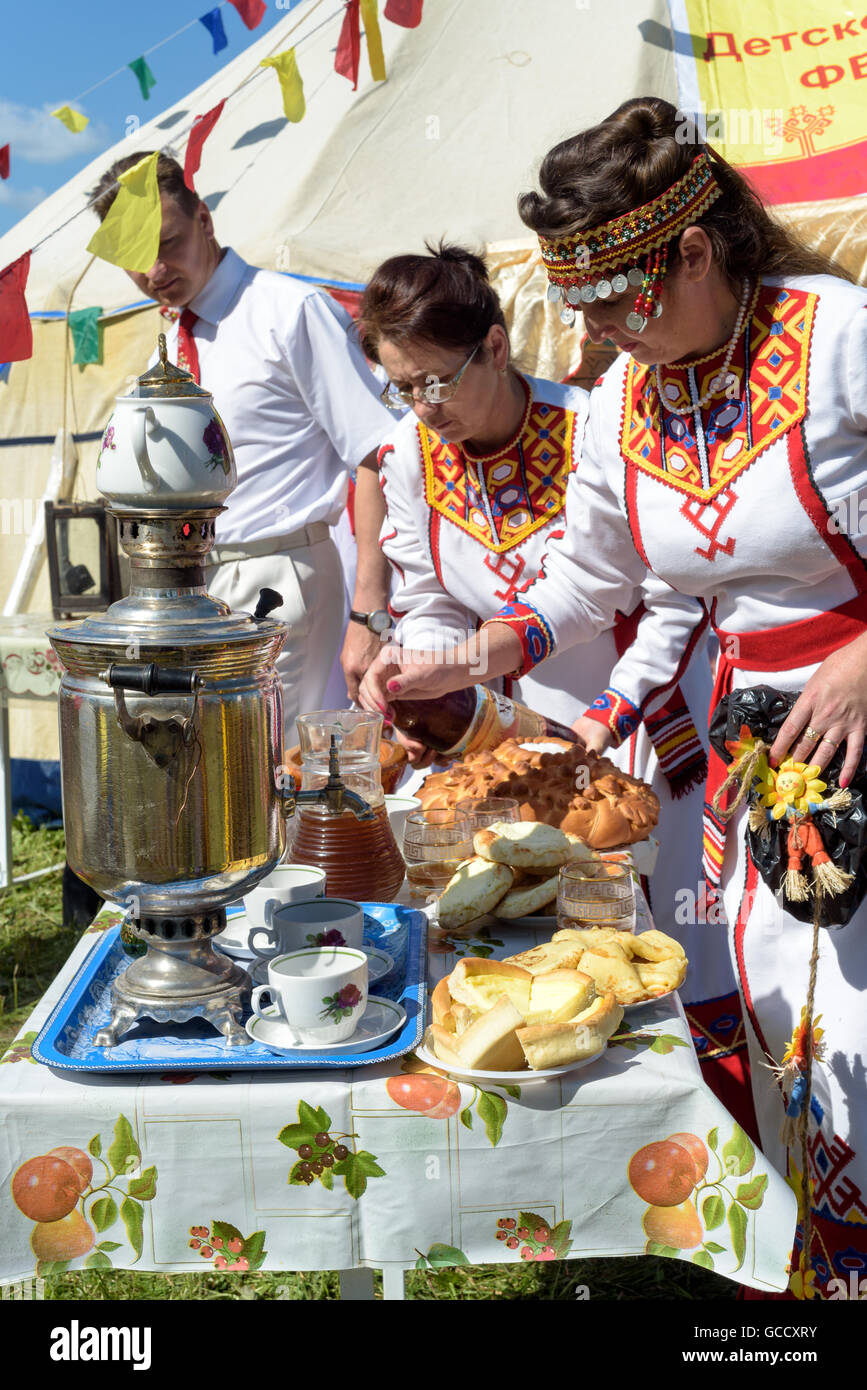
[(474, 97)]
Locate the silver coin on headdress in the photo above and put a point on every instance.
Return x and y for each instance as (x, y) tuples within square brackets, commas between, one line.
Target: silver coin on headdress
[(567, 315), (603, 288), (635, 276), (657, 310), (619, 283), (573, 294), (635, 322), (554, 293), (588, 293)]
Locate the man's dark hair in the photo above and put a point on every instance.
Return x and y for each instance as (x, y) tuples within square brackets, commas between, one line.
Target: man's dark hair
[(170, 180)]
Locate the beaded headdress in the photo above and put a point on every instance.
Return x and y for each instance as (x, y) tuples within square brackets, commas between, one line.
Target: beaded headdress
[(572, 261)]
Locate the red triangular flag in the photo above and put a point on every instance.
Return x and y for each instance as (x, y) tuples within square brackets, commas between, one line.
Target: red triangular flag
[(404, 12), (202, 127), (4, 161), (16, 334), (348, 54), (251, 11)]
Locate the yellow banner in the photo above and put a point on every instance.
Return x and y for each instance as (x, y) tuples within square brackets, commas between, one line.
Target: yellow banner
[(291, 85), (130, 235), (375, 55), (72, 119)]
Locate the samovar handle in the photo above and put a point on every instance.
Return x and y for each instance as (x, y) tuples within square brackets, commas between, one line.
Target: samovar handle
[(160, 738)]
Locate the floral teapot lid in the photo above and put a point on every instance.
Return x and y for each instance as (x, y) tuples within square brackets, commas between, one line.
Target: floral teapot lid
[(166, 379)]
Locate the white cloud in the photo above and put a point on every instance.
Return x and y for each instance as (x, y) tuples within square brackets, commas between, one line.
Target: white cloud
[(39, 137), (24, 198)]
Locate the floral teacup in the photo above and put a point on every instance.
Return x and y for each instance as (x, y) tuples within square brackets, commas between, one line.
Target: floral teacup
[(319, 994)]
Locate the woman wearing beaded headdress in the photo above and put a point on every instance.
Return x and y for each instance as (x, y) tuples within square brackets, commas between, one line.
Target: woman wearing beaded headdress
[(726, 451), (474, 480)]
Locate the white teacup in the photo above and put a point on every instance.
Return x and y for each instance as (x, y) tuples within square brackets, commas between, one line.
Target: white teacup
[(397, 809), (318, 922), (320, 994), (288, 883)]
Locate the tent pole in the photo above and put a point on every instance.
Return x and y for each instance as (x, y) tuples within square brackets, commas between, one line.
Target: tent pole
[(61, 479)]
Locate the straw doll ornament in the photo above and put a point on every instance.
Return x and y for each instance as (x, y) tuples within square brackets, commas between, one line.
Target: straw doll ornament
[(807, 838)]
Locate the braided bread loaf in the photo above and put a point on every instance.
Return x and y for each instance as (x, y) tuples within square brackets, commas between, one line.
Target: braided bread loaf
[(571, 788)]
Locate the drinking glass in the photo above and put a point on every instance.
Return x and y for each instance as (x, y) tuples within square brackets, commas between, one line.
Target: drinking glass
[(435, 842), (601, 895), (482, 811)]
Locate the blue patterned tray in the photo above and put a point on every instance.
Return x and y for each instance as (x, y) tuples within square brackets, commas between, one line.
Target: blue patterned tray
[(66, 1040)]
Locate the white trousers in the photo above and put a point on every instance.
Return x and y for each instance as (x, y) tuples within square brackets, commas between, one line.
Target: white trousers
[(310, 579)]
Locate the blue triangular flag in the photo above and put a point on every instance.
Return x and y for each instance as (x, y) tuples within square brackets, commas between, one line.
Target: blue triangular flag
[(4, 370), (213, 22)]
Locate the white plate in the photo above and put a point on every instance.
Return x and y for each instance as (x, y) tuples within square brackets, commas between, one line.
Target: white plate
[(654, 999), (503, 1078), (378, 966), (540, 923), (236, 936), (379, 1021)]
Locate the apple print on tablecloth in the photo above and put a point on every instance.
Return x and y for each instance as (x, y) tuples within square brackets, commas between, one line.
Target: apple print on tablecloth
[(71, 1204), (437, 1097), (684, 1204), (324, 1156)]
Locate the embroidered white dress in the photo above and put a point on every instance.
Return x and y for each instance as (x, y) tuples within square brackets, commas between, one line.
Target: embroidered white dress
[(465, 533), (746, 505)]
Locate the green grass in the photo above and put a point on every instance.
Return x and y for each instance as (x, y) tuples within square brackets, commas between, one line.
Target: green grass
[(34, 945)]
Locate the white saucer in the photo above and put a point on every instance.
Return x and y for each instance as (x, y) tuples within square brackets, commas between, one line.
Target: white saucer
[(378, 966), (503, 1078), (234, 940), (381, 1019)]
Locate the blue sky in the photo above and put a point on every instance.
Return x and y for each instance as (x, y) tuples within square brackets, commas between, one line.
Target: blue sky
[(51, 51)]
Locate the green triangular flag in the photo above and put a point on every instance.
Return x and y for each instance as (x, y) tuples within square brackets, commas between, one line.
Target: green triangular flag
[(84, 326), (146, 79)]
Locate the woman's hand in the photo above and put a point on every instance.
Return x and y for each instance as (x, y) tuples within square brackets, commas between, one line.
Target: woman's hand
[(595, 737), (831, 710)]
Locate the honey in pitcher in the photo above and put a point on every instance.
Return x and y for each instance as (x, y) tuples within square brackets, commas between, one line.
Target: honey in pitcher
[(360, 858)]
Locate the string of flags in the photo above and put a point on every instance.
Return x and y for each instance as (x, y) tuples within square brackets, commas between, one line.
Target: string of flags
[(129, 235)]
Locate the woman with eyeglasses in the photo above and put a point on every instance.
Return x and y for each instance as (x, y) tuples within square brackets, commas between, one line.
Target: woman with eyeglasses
[(474, 480)]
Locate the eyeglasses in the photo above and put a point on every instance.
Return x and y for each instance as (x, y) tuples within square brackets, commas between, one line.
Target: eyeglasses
[(436, 390)]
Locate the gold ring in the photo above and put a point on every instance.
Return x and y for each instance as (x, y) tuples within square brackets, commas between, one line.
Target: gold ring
[(812, 734)]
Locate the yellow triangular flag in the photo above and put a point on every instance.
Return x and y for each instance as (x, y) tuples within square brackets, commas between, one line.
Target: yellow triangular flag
[(290, 83), (375, 56), (72, 119), (130, 235)]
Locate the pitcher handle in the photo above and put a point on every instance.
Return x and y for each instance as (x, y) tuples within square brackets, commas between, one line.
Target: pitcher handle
[(142, 416)]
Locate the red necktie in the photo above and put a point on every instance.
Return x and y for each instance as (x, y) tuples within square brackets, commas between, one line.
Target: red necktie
[(188, 356)]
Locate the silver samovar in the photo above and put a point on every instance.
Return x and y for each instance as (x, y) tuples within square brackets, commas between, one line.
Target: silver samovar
[(171, 727)]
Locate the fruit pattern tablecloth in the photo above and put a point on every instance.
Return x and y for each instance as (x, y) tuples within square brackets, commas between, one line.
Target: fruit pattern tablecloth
[(391, 1166)]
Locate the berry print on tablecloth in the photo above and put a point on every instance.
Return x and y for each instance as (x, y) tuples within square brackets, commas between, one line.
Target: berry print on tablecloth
[(223, 1244), (531, 1237), (324, 1156)]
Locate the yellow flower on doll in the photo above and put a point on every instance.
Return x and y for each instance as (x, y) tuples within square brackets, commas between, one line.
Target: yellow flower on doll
[(801, 1284), (794, 786), (745, 744), (795, 1048)]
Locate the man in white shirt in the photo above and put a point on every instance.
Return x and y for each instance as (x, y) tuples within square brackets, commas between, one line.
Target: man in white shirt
[(302, 410)]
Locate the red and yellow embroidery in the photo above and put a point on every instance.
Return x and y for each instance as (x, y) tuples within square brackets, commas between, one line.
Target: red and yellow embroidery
[(772, 355), (525, 483)]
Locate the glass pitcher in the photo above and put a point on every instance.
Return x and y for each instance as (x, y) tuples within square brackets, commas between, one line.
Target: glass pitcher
[(361, 858)]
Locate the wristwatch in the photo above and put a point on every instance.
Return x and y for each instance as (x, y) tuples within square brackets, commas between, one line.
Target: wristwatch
[(378, 621)]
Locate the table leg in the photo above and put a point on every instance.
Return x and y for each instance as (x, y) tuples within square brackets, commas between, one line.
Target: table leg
[(394, 1283), (356, 1285), (5, 795)]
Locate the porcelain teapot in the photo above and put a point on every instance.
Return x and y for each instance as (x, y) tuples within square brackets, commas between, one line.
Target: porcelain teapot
[(165, 445)]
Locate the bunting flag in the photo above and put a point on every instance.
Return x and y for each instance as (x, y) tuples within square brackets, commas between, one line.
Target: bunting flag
[(16, 333), (406, 13), (202, 127), (373, 37), (4, 370), (213, 22), (290, 83), (348, 53), (251, 11), (130, 235), (72, 119), (4, 161), (84, 326), (146, 79)]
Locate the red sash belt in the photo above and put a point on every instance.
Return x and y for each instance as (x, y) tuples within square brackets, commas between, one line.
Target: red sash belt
[(784, 648)]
